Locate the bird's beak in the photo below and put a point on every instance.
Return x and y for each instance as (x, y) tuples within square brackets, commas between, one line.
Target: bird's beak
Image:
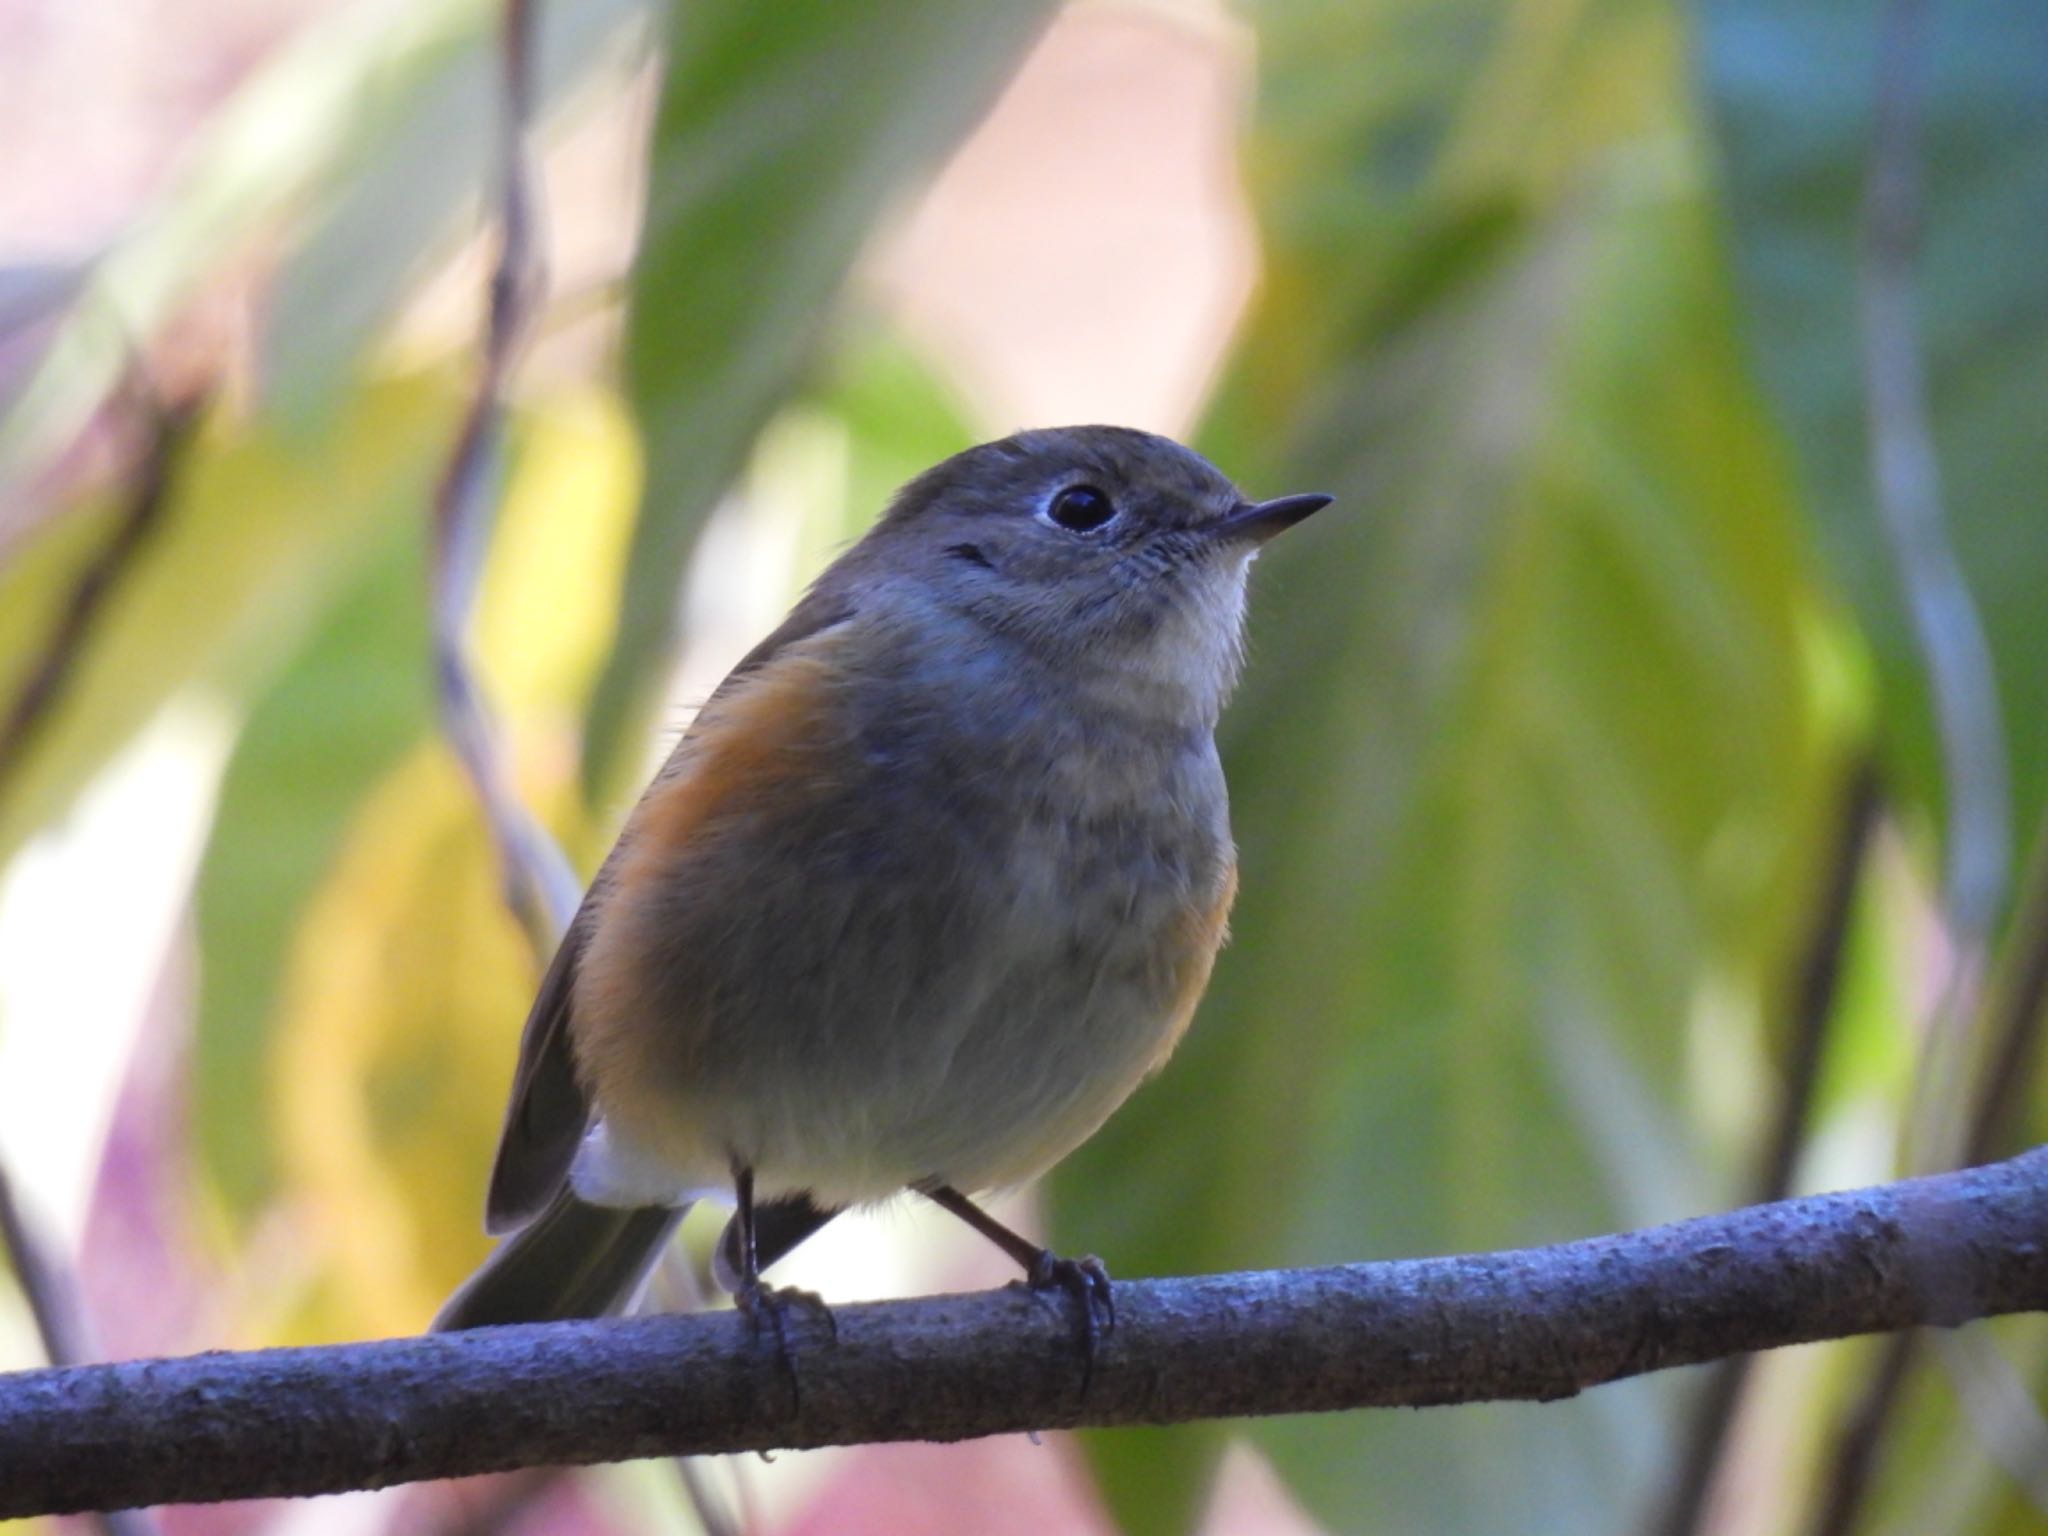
[(1259, 521)]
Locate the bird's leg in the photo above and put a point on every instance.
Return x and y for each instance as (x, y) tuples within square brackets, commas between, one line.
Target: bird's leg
[(1085, 1279), (766, 1303)]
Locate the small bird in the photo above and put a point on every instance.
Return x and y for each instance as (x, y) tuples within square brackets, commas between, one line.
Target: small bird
[(934, 880)]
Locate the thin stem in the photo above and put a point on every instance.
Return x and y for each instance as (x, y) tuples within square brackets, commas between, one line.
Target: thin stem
[(1813, 1005), (51, 1291), (2020, 1011), (46, 1281), (1857, 1444), (539, 884), (42, 689), (1905, 471)]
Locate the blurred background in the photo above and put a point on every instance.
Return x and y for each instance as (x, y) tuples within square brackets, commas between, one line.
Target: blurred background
[(1638, 777)]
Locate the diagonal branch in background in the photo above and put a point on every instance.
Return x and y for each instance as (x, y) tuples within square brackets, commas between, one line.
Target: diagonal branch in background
[(1713, 1411), (52, 1295), (539, 885), (2019, 1013), (42, 688), (1905, 474), (45, 1283), (1537, 1324), (45, 1279)]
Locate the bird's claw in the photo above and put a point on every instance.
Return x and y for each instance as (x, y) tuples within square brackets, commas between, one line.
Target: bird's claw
[(1086, 1280), (767, 1308)]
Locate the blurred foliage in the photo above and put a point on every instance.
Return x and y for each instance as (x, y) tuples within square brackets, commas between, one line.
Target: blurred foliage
[(337, 716), (782, 134), (374, 125), (343, 712), (404, 968), (405, 179), (1789, 91), (1504, 855), (256, 528), (1536, 760)]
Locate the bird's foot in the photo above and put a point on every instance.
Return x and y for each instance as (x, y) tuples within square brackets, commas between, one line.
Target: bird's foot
[(1086, 1280), (767, 1308)]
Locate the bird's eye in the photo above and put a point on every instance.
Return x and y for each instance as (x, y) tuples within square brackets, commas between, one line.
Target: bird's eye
[(1081, 509)]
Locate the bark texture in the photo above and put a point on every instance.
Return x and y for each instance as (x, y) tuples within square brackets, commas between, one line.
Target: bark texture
[(1538, 1323)]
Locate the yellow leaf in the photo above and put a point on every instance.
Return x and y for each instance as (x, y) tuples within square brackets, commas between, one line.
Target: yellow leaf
[(403, 997)]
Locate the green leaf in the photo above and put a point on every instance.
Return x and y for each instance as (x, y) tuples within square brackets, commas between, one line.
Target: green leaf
[(1526, 759), (345, 707), (255, 534), (899, 418), (782, 134), (1158, 1479), (376, 125), (406, 182), (273, 143), (326, 739), (1792, 144)]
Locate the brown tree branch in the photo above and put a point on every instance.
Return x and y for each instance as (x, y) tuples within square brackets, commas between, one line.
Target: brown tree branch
[(1534, 1324)]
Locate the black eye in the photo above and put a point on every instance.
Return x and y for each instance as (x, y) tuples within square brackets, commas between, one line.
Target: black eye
[(1081, 509)]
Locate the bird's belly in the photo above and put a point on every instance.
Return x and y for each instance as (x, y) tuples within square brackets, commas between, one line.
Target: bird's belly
[(862, 1031), (1019, 1066)]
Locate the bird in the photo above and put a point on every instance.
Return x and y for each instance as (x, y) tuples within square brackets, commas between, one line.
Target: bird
[(932, 882)]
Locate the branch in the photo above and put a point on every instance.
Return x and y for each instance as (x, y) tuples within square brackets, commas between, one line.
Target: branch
[(1906, 478), (2020, 1011), (540, 887), (63, 649), (43, 1274), (45, 1280), (1534, 1324), (1817, 978), (1947, 629), (51, 1291)]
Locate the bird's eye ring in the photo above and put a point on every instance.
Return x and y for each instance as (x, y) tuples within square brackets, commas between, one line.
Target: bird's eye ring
[(1080, 509)]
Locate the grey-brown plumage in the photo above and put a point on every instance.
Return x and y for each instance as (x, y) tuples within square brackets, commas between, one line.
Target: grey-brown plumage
[(932, 882)]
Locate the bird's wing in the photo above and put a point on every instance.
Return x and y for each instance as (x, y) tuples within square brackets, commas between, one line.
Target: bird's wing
[(549, 1110)]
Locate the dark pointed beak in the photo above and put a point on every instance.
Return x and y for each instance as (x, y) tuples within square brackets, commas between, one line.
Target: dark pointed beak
[(1259, 521)]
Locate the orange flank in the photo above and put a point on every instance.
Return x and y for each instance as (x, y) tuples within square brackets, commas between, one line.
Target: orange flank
[(1203, 930), (770, 739)]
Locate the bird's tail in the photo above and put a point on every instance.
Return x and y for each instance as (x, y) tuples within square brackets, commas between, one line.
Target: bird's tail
[(572, 1260)]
